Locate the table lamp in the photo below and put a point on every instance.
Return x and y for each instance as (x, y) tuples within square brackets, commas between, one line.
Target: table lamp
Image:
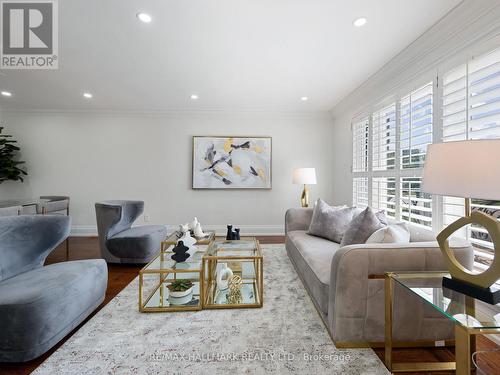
[(467, 169), (304, 176)]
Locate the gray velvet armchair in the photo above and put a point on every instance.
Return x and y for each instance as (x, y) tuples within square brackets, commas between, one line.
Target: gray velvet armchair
[(119, 241), (40, 305)]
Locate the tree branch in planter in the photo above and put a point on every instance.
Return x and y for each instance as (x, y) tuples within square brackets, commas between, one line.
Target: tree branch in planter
[(9, 166)]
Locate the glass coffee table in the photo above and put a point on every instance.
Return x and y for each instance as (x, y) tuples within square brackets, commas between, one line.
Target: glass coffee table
[(244, 259), (470, 316)]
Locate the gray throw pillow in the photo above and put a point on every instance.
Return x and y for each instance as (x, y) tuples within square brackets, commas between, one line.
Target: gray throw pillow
[(330, 222), (363, 226)]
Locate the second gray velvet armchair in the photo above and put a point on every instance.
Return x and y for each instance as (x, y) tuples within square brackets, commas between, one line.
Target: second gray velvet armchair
[(119, 241)]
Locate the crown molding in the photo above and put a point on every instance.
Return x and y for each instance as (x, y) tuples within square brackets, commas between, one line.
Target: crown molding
[(322, 114)]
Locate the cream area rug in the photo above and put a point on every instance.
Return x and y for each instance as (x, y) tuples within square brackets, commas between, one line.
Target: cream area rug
[(286, 336)]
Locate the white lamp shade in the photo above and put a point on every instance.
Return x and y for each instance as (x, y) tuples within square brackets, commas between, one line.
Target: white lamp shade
[(304, 176), (468, 169)]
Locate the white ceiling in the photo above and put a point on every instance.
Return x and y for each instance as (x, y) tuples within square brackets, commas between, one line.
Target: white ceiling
[(235, 54)]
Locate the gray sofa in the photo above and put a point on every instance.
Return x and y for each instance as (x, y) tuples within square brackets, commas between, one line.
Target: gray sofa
[(40, 305), (345, 285), (119, 241)]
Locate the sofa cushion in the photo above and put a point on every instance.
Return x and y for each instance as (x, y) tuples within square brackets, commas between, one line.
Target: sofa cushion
[(312, 257), (141, 242), (363, 226), (38, 308), (393, 233), (330, 222)]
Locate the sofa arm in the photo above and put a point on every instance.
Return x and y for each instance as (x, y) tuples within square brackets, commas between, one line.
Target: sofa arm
[(298, 219), (356, 300)]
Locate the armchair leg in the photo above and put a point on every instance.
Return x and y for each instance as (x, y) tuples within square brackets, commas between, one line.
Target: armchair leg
[(67, 248)]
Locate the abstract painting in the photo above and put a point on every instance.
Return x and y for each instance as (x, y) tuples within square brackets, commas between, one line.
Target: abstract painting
[(232, 162)]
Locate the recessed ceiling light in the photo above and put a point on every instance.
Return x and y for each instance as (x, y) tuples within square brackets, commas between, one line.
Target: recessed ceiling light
[(194, 97), (144, 17), (304, 98), (358, 22), (6, 93), (87, 95)]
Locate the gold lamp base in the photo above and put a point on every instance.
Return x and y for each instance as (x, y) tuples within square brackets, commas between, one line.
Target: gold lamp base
[(475, 285), (304, 198)]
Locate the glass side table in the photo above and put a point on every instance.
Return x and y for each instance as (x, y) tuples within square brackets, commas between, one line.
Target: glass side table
[(157, 275), (470, 316), (244, 259)]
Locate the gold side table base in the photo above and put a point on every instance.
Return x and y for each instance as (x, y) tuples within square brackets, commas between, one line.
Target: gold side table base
[(422, 366), (465, 342)]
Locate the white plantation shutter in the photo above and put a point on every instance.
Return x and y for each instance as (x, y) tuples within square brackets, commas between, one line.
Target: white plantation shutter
[(384, 195), (384, 139), (360, 191), (416, 126), (360, 131), (484, 96), (471, 110), (415, 205), (389, 146), (455, 105)]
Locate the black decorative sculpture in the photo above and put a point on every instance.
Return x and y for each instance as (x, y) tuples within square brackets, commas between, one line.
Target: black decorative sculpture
[(232, 235), (181, 252)]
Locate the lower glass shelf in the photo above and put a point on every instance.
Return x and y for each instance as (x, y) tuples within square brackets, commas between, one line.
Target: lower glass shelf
[(160, 300)]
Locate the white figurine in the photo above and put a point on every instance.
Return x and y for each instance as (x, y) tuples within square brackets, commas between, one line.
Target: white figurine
[(192, 225), (223, 276), (198, 232)]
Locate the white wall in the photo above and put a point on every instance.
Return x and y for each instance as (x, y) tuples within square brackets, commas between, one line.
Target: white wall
[(97, 156), (471, 23)]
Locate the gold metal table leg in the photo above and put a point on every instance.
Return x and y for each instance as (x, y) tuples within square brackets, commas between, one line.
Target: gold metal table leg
[(389, 292), (462, 350)]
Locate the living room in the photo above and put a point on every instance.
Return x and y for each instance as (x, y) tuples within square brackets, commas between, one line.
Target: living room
[(256, 187)]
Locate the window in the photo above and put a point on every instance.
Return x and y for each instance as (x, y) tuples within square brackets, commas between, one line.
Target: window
[(384, 195), (389, 151), (384, 139), (360, 191), (415, 206), (471, 110), (381, 169), (416, 127), (360, 145)]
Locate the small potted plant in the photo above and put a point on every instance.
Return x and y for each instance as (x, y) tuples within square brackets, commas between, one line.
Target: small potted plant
[(180, 291)]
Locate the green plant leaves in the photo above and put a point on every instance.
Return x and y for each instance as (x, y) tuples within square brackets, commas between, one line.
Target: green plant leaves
[(9, 169)]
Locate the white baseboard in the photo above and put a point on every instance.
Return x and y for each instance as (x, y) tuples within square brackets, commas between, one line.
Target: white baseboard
[(220, 230)]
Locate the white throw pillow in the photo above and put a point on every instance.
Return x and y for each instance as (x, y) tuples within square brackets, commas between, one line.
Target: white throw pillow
[(394, 233)]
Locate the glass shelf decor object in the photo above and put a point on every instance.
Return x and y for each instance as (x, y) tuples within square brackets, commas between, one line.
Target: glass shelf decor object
[(244, 260)]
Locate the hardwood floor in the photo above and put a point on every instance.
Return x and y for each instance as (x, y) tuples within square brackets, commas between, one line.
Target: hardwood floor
[(121, 275)]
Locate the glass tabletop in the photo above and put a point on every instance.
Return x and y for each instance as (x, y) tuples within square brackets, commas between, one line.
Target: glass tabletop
[(467, 311), (246, 247), (173, 237), (163, 261)]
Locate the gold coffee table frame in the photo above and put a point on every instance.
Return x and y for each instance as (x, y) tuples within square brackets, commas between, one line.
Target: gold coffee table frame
[(201, 270), (236, 255), (465, 342)]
